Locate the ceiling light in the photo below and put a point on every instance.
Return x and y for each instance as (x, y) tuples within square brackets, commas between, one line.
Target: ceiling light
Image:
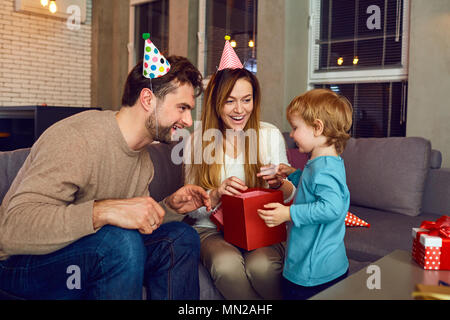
[(53, 8)]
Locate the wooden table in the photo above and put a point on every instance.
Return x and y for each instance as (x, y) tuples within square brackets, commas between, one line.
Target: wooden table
[(399, 274)]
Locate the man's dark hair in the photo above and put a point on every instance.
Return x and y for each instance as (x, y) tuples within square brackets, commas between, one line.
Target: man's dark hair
[(181, 70)]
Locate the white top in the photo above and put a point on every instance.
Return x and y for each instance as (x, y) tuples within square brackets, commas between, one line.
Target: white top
[(272, 151)]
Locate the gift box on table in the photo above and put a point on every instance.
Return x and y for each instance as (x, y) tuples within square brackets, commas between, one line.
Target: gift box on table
[(431, 244), (242, 226)]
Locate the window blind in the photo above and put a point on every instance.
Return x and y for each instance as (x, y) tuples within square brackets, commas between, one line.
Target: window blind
[(379, 109), (237, 19), (357, 35), (153, 18)]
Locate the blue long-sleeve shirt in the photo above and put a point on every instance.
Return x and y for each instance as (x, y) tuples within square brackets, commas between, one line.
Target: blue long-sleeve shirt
[(315, 246)]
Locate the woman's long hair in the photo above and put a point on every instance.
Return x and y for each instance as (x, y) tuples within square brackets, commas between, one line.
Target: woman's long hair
[(208, 175)]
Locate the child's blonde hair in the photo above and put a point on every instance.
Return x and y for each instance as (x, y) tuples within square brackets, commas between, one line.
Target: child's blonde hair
[(333, 110)]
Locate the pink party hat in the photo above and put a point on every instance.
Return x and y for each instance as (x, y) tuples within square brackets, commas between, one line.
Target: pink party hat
[(229, 59)]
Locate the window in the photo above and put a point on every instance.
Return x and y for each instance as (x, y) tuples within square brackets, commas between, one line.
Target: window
[(238, 19), (148, 16), (379, 109), (359, 49)]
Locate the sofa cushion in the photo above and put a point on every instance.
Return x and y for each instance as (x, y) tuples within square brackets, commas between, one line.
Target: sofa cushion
[(436, 198), (10, 164), (387, 173), (296, 158), (388, 231)]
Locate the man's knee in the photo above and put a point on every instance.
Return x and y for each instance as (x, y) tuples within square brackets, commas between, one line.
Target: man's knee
[(183, 235), (122, 246)]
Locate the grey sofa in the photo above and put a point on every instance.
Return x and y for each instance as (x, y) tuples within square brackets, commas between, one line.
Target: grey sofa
[(395, 184)]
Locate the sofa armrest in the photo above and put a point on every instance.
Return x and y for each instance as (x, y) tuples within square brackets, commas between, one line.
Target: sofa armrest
[(436, 197)]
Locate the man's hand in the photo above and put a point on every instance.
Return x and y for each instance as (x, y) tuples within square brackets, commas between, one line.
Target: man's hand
[(188, 198), (276, 215), (142, 213)]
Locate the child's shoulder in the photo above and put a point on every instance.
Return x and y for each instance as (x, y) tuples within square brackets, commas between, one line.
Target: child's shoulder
[(325, 162), (325, 166)]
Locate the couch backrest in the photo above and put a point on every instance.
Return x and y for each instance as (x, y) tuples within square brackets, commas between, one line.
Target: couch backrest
[(388, 173), (366, 169), (168, 176), (10, 163), (384, 173), (167, 179)]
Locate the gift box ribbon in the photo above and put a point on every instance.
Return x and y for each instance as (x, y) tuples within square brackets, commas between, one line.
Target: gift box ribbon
[(440, 227)]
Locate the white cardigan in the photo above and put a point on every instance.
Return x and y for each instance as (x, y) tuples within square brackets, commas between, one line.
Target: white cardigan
[(272, 151)]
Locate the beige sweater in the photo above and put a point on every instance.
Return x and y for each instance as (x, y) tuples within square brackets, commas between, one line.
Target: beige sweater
[(78, 160)]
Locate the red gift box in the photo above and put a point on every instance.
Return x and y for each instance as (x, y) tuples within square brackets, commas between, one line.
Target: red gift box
[(217, 217), (242, 226), (431, 244)]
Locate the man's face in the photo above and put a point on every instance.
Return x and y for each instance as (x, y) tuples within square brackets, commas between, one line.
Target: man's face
[(172, 113)]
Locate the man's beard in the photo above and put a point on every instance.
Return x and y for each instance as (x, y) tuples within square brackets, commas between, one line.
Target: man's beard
[(158, 132)]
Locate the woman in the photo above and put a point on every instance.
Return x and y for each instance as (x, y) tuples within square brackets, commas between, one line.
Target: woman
[(231, 163)]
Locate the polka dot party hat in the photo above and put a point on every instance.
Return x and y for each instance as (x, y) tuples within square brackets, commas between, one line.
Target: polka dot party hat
[(352, 220), (229, 59), (155, 64)]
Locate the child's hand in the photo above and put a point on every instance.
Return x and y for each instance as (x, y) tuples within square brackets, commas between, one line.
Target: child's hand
[(275, 214), (269, 173), (284, 170)]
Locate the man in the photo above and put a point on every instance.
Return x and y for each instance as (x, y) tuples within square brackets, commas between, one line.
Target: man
[(78, 221)]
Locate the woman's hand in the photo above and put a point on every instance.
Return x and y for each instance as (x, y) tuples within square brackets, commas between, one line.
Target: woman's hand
[(231, 186)]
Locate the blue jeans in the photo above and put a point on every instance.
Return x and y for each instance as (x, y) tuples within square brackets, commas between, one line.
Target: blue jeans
[(113, 263)]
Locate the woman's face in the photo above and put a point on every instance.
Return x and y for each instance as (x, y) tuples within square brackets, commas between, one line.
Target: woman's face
[(238, 106)]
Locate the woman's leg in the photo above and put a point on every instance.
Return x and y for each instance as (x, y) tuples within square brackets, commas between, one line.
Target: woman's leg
[(264, 267), (226, 266)]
